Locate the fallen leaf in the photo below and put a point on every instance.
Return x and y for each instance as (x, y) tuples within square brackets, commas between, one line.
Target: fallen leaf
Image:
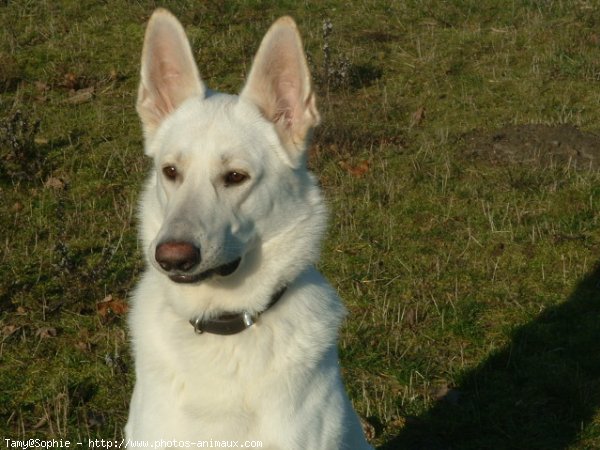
[(453, 396), (54, 183), (498, 250), (95, 419), (440, 391), (46, 332), (42, 89), (111, 305), (41, 422), (418, 116), (83, 346), (446, 393), (81, 96), (368, 428), (357, 170), (41, 86), (7, 330), (70, 81), (398, 422), (411, 316)]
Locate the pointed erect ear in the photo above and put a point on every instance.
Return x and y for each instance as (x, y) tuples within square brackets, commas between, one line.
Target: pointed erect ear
[(169, 74), (279, 84)]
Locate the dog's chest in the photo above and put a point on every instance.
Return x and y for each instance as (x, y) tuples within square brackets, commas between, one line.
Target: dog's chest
[(220, 372), (225, 386)]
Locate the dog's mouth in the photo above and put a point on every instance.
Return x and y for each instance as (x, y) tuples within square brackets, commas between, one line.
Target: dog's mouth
[(223, 271)]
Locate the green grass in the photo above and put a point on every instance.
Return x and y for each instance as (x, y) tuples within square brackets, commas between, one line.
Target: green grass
[(465, 278)]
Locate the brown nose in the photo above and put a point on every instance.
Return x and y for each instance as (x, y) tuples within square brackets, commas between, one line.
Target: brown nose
[(179, 256)]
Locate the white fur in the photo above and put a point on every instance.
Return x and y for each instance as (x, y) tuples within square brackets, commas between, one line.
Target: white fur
[(278, 381)]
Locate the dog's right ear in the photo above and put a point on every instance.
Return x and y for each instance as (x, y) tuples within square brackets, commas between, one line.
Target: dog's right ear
[(169, 73)]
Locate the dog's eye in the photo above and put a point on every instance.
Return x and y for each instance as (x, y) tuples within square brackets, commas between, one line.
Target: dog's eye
[(234, 177), (170, 172)]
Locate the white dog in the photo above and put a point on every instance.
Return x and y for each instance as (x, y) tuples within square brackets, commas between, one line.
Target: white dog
[(234, 331)]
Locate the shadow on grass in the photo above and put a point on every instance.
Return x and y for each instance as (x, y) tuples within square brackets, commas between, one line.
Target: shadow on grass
[(539, 392)]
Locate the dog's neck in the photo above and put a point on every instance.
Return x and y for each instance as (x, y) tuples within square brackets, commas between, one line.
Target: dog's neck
[(232, 323)]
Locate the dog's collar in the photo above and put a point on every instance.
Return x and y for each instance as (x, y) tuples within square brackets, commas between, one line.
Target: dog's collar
[(232, 323)]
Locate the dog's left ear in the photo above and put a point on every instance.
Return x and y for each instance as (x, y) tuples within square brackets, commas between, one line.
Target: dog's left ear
[(279, 84)]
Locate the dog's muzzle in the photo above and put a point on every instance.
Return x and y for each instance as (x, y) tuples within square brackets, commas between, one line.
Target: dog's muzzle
[(179, 259)]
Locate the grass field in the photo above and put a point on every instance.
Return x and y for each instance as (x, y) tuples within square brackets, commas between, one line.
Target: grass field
[(470, 271)]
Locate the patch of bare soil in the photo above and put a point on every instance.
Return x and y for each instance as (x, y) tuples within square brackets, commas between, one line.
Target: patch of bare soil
[(539, 145)]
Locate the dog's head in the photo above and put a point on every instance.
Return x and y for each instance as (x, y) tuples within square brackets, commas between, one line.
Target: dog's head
[(229, 170)]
